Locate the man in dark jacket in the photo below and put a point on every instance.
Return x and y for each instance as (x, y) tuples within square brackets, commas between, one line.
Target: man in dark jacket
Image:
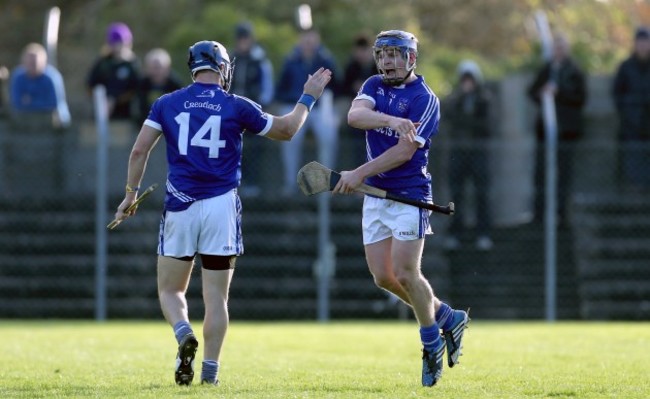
[(564, 79), (252, 78), (118, 70), (308, 54), (631, 93), (158, 79), (467, 110), (360, 66)]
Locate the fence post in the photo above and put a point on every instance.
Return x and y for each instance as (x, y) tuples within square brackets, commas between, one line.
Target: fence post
[(326, 262), (550, 208), (101, 246)]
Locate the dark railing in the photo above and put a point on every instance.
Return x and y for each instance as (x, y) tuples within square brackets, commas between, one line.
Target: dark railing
[(47, 261)]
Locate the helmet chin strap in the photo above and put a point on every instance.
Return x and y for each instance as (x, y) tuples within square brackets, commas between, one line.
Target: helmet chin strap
[(396, 82)]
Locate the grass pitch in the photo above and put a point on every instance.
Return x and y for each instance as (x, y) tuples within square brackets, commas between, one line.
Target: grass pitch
[(64, 359)]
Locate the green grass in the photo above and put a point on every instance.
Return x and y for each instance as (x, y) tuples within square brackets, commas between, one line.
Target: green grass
[(61, 359)]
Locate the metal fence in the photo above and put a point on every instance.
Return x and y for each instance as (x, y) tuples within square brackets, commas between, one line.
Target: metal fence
[(49, 236)]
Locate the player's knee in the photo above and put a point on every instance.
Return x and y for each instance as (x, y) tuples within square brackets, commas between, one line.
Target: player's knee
[(384, 281), (405, 281), (406, 278)]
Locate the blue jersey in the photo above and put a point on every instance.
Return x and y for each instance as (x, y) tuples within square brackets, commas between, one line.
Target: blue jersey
[(203, 127), (414, 101)]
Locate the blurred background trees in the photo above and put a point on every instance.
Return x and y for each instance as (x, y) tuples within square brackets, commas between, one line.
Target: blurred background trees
[(499, 34)]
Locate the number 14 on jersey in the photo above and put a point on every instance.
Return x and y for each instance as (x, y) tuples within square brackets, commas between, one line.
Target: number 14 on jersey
[(208, 136)]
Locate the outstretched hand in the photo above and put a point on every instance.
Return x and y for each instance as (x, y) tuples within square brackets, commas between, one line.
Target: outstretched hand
[(316, 83)]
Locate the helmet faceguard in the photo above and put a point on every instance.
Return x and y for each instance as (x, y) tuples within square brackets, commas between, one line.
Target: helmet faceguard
[(390, 45), (211, 55)]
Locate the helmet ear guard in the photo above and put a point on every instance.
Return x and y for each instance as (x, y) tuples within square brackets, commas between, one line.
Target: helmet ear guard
[(211, 55)]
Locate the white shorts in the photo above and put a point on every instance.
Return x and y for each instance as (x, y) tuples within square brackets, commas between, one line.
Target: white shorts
[(385, 218), (210, 227)]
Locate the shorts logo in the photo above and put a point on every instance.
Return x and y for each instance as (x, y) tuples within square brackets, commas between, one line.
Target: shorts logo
[(228, 248), (406, 233)]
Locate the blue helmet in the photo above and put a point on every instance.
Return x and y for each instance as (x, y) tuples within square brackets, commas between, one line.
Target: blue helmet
[(404, 42), (211, 55)]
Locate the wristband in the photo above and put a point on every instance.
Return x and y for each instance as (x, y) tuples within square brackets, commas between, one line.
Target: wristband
[(130, 189), (307, 100)]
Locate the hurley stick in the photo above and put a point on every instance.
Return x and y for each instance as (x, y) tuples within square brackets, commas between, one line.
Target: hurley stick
[(315, 178), (133, 206)]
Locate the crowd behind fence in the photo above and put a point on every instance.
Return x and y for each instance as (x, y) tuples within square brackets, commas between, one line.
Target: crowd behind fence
[(48, 232)]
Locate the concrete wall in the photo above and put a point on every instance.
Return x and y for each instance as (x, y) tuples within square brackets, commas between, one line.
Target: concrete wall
[(513, 151)]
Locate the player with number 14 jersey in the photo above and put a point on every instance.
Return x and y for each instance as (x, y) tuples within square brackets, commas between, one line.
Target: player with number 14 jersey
[(203, 126), (218, 120)]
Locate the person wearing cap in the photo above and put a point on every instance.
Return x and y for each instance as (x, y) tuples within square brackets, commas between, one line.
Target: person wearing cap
[(467, 110), (631, 93), (252, 78), (118, 71), (564, 79)]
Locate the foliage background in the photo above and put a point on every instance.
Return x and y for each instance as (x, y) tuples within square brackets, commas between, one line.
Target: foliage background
[(499, 34)]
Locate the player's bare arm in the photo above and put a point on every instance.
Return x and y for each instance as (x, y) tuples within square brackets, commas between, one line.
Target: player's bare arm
[(144, 143), (395, 156), (286, 126), (363, 116)]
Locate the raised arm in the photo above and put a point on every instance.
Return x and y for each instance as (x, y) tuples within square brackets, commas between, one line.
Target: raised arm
[(286, 126)]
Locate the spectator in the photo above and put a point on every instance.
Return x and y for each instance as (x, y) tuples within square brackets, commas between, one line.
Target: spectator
[(468, 109), (252, 78), (631, 93), (360, 67), (306, 57), (117, 70), (158, 79), (564, 79), (37, 87)]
